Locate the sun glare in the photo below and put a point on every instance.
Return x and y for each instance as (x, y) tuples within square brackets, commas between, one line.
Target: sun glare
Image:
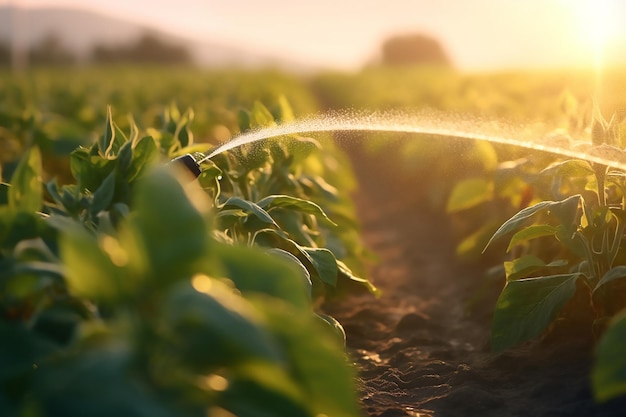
[(599, 25)]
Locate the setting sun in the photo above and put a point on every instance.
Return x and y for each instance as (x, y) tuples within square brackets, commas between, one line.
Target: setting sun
[(600, 30)]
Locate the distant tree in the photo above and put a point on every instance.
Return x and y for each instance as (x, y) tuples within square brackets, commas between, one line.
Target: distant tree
[(148, 49), (414, 49), (5, 54), (51, 51)]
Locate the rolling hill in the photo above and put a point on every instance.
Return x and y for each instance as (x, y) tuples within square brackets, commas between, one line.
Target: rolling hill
[(80, 30)]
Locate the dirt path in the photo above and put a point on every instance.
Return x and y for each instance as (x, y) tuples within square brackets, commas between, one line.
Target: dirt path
[(419, 350)]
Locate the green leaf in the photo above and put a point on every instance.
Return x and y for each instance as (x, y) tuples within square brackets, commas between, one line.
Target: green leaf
[(530, 233), (216, 328), (183, 133), (259, 390), (103, 197), (613, 274), (249, 207), (320, 263), (168, 226), (302, 272), (106, 140), (301, 148), (292, 223), (286, 112), (569, 168), (294, 203), (524, 266), (280, 277), (94, 266), (346, 273), (89, 170), (260, 116), (472, 245), (568, 238), (562, 209), (125, 158), (228, 217), (337, 329), (609, 371), (521, 267), (469, 193), (327, 381), (526, 307), (134, 131), (145, 153), (324, 263), (99, 382), (483, 152), (26, 192), (567, 212), (243, 120)]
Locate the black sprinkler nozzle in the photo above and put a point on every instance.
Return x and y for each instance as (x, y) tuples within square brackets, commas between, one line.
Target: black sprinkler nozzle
[(189, 162)]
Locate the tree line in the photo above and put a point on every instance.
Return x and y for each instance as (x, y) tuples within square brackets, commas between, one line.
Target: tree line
[(398, 50), (147, 49)]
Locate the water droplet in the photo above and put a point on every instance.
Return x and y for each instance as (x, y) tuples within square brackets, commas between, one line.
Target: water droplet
[(219, 177)]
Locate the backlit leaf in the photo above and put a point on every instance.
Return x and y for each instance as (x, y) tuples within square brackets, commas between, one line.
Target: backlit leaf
[(90, 266), (531, 232), (524, 266), (526, 307), (521, 267), (294, 203), (277, 274), (324, 263), (215, 319), (260, 116), (249, 207), (330, 392), (106, 140), (562, 209), (569, 168), (145, 153), (469, 193), (618, 272), (169, 222), (26, 192)]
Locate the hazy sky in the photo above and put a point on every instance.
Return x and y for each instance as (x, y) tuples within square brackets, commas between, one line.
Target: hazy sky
[(478, 34)]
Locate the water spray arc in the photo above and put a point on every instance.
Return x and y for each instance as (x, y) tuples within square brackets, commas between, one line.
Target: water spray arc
[(436, 126)]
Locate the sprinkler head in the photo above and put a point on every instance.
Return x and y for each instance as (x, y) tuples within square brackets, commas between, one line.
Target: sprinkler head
[(190, 163)]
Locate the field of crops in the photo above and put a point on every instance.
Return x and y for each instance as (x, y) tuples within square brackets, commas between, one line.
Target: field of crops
[(327, 274)]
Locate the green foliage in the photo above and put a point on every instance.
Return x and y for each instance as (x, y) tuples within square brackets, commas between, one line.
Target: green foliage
[(137, 292), (264, 196), (531, 303), (587, 224), (25, 193), (609, 372)]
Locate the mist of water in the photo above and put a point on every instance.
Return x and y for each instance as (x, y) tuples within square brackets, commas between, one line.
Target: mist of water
[(440, 126)]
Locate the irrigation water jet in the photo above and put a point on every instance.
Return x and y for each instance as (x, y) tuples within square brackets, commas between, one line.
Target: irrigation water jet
[(434, 125)]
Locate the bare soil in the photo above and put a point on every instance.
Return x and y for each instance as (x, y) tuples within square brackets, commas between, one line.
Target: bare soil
[(422, 348)]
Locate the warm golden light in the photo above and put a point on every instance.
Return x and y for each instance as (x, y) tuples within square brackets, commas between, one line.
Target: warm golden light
[(202, 283), (117, 254), (599, 24)]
